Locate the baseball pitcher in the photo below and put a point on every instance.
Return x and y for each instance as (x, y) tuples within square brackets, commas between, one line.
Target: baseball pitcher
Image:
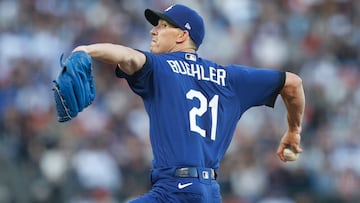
[(194, 104)]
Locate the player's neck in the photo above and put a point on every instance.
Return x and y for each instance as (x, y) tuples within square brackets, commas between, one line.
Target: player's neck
[(181, 47), (189, 50), (184, 49)]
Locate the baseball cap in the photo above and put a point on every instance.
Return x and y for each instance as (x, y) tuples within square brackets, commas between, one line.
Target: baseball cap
[(180, 16)]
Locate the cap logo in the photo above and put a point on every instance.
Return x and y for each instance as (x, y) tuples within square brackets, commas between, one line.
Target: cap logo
[(170, 7), (187, 26)]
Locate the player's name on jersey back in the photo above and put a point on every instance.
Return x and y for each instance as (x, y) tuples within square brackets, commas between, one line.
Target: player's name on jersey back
[(215, 75)]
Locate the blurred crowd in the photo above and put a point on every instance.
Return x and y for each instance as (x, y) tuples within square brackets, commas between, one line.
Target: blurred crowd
[(104, 155)]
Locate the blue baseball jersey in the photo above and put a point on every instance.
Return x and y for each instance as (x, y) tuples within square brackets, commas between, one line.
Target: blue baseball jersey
[(195, 104)]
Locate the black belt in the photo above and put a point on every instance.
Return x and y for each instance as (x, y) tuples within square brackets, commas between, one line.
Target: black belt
[(192, 172)]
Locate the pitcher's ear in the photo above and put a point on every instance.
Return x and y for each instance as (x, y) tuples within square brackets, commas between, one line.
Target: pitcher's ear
[(183, 35)]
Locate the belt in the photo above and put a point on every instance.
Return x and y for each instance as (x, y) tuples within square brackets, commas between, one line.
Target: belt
[(192, 172)]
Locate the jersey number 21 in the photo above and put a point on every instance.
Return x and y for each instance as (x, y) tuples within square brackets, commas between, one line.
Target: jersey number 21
[(199, 111)]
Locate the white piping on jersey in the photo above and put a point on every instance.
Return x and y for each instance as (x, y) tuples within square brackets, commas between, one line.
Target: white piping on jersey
[(215, 75)]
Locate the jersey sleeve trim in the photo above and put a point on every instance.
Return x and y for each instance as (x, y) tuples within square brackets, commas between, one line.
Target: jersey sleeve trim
[(273, 97)]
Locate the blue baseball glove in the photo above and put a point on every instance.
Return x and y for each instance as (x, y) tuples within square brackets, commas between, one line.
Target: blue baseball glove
[(74, 88)]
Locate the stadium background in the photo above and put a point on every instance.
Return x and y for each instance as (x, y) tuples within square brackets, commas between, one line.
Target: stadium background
[(103, 156)]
